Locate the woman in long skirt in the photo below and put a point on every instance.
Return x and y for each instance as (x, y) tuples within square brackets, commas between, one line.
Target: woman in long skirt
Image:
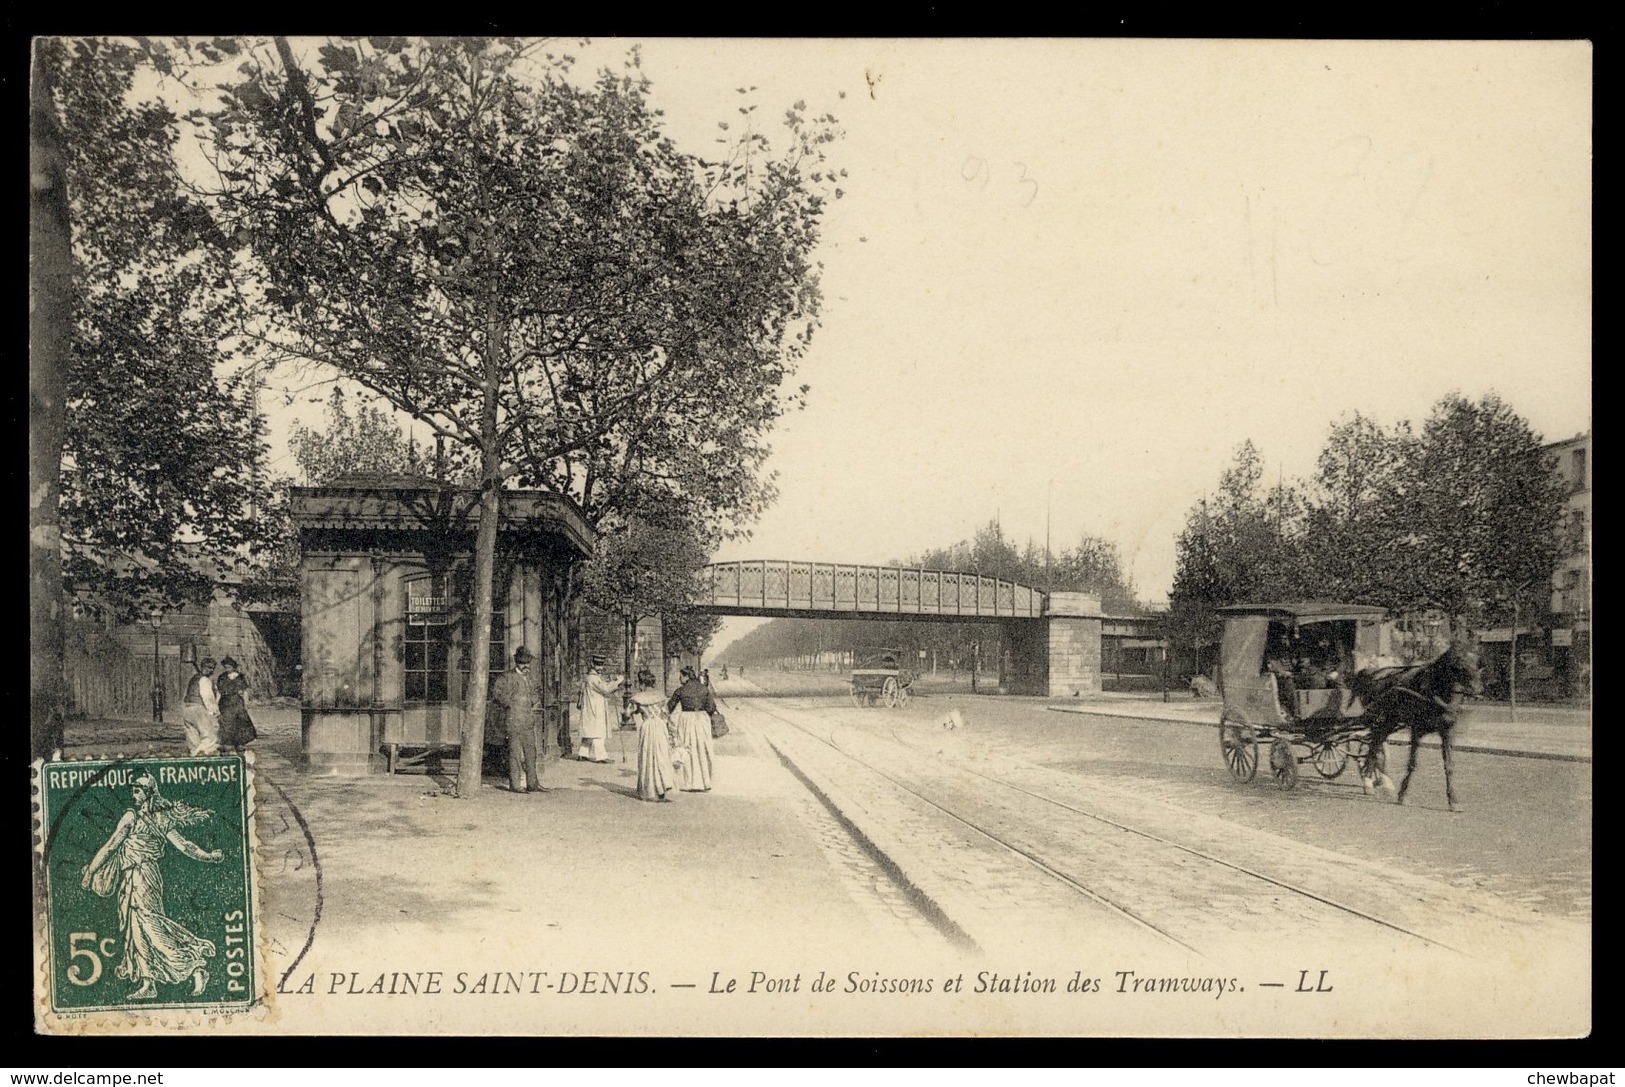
[(692, 704), (236, 726), (654, 748)]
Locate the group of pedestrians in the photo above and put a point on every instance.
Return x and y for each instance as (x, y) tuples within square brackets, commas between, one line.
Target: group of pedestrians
[(674, 739), (674, 734), (214, 711)]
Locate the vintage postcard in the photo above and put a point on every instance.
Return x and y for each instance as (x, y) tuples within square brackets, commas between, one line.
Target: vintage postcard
[(819, 538)]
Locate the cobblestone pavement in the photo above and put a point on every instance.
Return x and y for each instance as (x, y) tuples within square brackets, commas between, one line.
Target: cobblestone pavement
[(892, 915), (1159, 863)]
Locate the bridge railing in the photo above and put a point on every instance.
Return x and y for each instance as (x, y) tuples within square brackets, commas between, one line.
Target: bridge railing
[(842, 587)]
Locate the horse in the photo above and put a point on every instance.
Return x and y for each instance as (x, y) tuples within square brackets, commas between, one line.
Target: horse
[(1424, 698)]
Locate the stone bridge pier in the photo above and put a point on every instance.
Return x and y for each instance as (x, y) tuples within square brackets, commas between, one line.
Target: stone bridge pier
[(1057, 656)]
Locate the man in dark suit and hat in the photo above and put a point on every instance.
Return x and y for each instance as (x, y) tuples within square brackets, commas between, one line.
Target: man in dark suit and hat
[(514, 701)]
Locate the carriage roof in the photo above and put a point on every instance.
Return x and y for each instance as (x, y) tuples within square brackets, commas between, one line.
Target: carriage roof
[(1305, 612)]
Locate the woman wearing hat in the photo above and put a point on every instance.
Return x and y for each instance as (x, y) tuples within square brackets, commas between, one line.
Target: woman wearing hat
[(694, 706), (595, 712), (654, 747), (236, 727)]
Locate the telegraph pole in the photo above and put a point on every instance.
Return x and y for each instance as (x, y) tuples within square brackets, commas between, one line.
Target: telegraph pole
[(1049, 576)]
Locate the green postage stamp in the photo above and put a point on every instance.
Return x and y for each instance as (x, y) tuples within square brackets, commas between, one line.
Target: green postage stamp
[(146, 869)]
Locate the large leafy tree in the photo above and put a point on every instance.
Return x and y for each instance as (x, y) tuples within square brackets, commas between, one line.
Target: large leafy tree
[(643, 569), (525, 263), (1240, 544), (1482, 512), (1353, 541), (1460, 516), (161, 487), (363, 440)]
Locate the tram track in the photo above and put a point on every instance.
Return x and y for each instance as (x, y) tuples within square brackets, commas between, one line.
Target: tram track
[(1183, 895), (1206, 856)]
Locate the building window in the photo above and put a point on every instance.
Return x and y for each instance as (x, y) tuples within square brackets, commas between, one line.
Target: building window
[(1577, 532), (1579, 463), (428, 640)]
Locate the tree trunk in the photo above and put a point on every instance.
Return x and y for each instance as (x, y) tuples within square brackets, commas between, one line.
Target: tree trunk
[(665, 659), (50, 329), (485, 546)]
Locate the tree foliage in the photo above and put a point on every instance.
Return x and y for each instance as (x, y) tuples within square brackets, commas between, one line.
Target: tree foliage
[(643, 569), (1461, 516), (1092, 565), (364, 441), (527, 264), (1484, 512), (1354, 548), (50, 337), (161, 489), (688, 632), (431, 214), (1239, 544)]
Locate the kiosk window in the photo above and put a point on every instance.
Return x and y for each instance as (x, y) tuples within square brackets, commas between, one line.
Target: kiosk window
[(428, 640)]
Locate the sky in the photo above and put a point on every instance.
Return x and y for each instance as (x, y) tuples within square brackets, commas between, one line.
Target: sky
[(1067, 278)]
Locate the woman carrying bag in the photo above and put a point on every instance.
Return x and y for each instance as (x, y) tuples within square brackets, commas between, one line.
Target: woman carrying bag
[(693, 705)]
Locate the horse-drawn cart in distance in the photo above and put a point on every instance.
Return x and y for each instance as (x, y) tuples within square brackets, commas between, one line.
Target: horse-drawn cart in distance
[(1284, 672), (878, 676)]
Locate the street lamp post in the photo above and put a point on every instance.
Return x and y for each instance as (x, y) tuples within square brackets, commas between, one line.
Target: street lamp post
[(156, 617)]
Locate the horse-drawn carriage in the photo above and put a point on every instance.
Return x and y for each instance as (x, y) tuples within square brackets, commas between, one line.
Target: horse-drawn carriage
[(879, 676), (1303, 680), (1283, 670)]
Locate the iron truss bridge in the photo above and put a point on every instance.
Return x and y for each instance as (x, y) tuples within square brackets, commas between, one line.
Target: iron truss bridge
[(821, 590)]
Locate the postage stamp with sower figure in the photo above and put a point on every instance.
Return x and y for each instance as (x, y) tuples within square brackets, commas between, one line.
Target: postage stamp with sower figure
[(147, 873)]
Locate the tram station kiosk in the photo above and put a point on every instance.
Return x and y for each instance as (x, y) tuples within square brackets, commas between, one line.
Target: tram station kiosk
[(386, 583)]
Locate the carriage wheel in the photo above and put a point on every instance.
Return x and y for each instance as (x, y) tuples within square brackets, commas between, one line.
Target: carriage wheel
[(859, 698), (1283, 764), (888, 693), (903, 694), (1239, 748), (1330, 759)]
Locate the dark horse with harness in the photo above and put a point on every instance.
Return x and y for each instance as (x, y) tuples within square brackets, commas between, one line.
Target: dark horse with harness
[(1425, 698)]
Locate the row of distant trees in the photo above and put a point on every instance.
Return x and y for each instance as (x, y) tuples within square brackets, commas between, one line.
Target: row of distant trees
[(1460, 516), (514, 254), (1090, 565)]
